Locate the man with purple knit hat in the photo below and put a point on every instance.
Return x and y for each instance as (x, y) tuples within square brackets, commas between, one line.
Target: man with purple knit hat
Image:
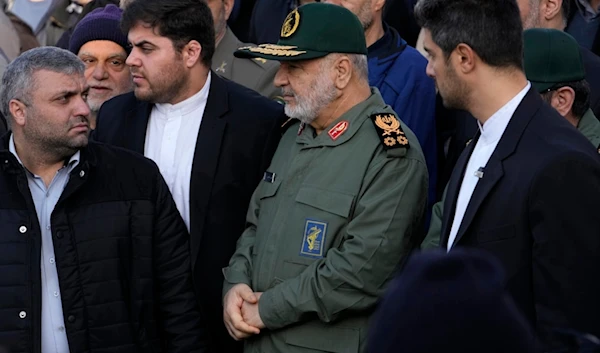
[(100, 44)]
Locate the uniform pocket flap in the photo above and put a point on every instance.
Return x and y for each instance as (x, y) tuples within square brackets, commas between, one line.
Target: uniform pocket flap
[(326, 200), (324, 338)]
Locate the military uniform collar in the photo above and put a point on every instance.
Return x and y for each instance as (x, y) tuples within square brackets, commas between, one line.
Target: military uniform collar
[(343, 128)]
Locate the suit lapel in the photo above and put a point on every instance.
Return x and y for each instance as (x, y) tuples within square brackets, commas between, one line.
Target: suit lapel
[(206, 158), (137, 127), (453, 188), (494, 171)]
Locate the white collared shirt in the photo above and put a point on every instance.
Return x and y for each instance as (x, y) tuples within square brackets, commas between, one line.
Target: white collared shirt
[(171, 142), (490, 136), (54, 334)]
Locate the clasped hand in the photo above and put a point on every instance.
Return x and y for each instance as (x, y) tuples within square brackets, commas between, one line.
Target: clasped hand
[(240, 312)]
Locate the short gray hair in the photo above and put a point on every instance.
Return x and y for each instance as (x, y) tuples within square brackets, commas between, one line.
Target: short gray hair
[(359, 62), (18, 82)]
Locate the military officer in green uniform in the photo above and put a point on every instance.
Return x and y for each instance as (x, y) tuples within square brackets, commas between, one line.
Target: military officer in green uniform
[(554, 66), (256, 73), (340, 207)]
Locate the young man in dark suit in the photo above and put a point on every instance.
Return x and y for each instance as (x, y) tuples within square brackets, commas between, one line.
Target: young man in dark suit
[(526, 188), (211, 138)]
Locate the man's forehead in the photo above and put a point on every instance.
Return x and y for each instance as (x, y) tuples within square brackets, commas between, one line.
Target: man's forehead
[(59, 81), (143, 31)]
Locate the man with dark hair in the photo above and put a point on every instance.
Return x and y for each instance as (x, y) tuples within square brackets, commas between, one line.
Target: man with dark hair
[(211, 138), (526, 188), (555, 68), (94, 255)]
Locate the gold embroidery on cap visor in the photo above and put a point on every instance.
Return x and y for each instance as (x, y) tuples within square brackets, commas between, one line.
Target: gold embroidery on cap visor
[(290, 25), (273, 49)]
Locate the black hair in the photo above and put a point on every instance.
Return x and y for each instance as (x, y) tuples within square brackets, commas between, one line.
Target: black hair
[(492, 28), (179, 20)]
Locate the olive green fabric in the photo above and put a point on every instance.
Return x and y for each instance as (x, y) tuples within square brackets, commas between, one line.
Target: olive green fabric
[(257, 74), (313, 31), (589, 126), (551, 57), (361, 204)]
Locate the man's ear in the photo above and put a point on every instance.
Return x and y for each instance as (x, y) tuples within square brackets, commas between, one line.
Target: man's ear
[(18, 111), (192, 53)]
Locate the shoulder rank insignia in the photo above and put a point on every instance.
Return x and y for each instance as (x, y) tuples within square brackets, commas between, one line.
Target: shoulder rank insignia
[(338, 129), (389, 130), (221, 68)]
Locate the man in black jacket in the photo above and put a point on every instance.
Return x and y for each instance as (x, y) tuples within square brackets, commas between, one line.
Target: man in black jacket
[(94, 254), (211, 138)]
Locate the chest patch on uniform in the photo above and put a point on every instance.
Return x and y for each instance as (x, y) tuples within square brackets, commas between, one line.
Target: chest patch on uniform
[(314, 239), (389, 131), (338, 129)]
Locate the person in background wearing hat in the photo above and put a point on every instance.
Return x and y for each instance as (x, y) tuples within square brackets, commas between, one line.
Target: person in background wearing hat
[(398, 71), (453, 302), (554, 14), (94, 255), (256, 74), (554, 66), (526, 188), (340, 206), (100, 44), (211, 138)]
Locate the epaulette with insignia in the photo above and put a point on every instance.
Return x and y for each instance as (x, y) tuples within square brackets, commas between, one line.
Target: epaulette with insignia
[(389, 131)]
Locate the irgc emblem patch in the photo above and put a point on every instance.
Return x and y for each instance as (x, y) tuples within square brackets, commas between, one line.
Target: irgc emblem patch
[(389, 131), (314, 239), (290, 25)]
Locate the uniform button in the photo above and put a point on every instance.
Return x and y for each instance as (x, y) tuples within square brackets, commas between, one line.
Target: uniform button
[(81, 174), (48, 227), (52, 260), (71, 318), (22, 314), (56, 294), (22, 229), (59, 235), (61, 328)]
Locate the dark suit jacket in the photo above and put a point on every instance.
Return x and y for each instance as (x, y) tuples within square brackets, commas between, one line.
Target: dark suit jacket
[(573, 9), (536, 209), (239, 133)]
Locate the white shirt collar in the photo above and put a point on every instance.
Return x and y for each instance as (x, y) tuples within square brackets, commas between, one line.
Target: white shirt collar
[(188, 105), (497, 123)]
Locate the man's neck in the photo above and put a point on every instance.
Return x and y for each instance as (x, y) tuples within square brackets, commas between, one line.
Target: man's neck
[(594, 4), (375, 32), (39, 161), (339, 107), (494, 91), (197, 81), (219, 36)]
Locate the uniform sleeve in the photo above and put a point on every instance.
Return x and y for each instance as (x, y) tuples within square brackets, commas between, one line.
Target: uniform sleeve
[(351, 277), (240, 265), (432, 240), (564, 221), (180, 318)]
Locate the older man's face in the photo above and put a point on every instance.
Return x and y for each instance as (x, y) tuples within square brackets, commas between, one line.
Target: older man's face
[(307, 87), (106, 73)]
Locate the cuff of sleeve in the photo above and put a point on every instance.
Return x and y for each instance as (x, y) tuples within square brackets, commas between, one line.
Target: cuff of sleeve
[(272, 310), (233, 277)]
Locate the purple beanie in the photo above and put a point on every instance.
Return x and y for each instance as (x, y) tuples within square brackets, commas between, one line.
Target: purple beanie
[(101, 24)]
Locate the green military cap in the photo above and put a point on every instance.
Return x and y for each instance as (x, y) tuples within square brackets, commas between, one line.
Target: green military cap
[(551, 57), (313, 31)]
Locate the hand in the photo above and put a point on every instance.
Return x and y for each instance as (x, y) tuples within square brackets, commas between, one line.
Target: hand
[(232, 311), (250, 313)]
